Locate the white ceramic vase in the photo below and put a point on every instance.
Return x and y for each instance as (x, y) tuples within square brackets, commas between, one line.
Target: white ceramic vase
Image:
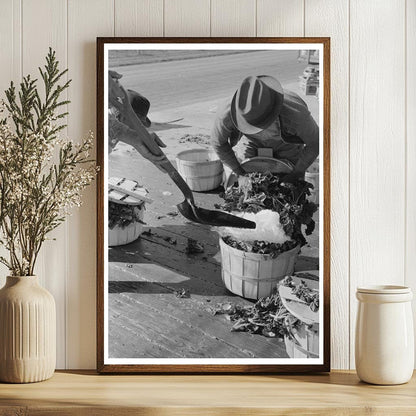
[(27, 331), (384, 352)]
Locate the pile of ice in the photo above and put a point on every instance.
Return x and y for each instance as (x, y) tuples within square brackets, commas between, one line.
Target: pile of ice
[(268, 228)]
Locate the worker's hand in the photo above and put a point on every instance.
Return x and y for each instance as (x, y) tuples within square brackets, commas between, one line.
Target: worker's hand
[(157, 160), (117, 95), (243, 182), (136, 140), (114, 74), (292, 177), (240, 173)]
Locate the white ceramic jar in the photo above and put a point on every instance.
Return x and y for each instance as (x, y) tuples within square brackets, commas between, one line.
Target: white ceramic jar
[(384, 342)]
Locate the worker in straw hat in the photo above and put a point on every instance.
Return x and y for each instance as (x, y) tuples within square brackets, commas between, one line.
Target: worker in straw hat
[(263, 115)]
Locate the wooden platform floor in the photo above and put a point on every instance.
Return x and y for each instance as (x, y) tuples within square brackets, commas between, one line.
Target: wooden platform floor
[(146, 318)]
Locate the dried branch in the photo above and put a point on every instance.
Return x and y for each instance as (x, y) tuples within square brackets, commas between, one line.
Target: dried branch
[(41, 175)]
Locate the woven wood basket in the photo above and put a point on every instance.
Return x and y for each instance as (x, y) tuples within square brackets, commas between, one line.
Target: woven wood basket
[(303, 342), (126, 192), (252, 275), (118, 236), (201, 169)]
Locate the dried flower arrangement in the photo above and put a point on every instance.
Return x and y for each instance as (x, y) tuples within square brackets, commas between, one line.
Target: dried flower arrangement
[(41, 174)]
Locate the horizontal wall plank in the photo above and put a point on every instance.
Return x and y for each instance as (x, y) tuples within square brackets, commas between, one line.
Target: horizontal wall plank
[(377, 140), (330, 18)]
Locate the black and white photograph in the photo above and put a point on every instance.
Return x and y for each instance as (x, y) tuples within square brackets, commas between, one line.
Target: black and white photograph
[(213, 204)]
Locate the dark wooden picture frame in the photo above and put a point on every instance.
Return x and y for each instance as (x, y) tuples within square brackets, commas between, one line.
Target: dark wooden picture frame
[(105, 367)]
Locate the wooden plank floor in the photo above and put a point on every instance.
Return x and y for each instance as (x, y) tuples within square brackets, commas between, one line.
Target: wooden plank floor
[(146, 319)]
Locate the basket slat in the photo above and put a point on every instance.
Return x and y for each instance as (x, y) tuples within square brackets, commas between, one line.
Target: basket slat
[(126, 191)]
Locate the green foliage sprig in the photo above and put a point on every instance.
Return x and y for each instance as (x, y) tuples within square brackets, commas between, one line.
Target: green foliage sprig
[(41, 175)]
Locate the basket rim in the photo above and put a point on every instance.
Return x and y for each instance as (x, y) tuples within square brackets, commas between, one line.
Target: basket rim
[(131, 225), (242, 253), (134, 204), (191, 162)]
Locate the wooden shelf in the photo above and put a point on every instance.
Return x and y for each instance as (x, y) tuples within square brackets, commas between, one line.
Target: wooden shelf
[(86, 393)]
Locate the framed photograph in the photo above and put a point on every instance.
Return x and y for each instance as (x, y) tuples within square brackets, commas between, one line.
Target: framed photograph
[(213, 218)]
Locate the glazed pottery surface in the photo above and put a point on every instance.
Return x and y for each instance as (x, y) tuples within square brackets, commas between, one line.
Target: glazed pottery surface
[(384, 341), (27, 331)]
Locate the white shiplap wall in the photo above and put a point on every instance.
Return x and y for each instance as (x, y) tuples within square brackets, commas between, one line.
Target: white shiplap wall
[(373, 131)]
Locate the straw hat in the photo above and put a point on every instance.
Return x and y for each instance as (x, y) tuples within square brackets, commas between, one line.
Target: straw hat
[(256, 104)]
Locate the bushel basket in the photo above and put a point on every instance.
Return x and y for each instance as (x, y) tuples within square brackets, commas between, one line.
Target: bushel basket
[(253, 275), (119, 236), (201, 169), (127, 192), (303, 342)]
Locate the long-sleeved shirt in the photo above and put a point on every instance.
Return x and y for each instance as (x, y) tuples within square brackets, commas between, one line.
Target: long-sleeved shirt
[(294, 136), (117, 130)]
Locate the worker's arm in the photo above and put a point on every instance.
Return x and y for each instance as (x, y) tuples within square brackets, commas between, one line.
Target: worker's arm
[(132, 131), (220, 140), (118, 131), (298, 121), (309, 133), (307, 130)]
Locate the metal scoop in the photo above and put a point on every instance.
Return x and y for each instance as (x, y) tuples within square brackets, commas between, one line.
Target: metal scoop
[(201, 215)]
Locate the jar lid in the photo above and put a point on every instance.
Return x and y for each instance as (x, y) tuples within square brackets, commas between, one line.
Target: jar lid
[(384, 289)]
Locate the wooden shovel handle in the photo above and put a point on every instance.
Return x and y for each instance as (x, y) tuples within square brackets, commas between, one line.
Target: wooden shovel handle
[(179, 181)]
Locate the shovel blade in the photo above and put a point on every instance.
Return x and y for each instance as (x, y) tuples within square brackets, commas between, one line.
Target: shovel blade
[(211, 217)]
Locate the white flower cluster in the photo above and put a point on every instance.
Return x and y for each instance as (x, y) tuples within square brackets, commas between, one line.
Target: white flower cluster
[(41, 177)]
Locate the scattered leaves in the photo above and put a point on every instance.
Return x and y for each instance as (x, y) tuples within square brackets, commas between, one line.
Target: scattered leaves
[(194, 247), (303, 292), (195, 138), (261, 247), (182, 293), (171, 240), (268, 316), (122, 215), (172, 214)]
